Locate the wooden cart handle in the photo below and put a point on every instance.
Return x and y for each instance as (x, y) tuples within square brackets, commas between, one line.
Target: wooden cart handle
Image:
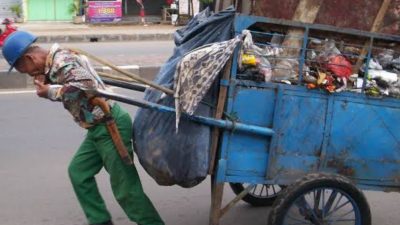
[(113, 130)]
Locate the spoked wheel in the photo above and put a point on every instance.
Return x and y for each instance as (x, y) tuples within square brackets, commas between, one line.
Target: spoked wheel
[(321, 199), (260, 195)]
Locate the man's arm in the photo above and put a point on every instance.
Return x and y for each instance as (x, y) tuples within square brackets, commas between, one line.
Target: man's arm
[(51, 92), (77, 79)]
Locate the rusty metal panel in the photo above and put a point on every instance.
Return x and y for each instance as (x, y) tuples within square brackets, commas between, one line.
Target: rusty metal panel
[(283, 9), (356, 14), (359, 14)]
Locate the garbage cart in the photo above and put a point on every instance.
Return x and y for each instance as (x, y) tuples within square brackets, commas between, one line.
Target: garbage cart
[(314, 123), (326, 145)]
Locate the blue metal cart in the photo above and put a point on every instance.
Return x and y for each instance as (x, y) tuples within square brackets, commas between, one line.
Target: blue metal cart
[(316, 150)]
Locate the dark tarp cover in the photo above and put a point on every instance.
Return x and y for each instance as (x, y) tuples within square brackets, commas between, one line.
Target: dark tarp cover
[(182, 158)]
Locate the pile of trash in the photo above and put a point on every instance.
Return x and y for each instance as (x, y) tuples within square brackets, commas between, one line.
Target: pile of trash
[(383, 75), (325, 66)]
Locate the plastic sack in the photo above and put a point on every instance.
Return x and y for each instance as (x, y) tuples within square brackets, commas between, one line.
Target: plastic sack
[(396, 63), (285, 69), (385, 58), (182, 158), (394, 90), (254, 56), (328, 50), (340, 66), (374, 65), (384, 75)]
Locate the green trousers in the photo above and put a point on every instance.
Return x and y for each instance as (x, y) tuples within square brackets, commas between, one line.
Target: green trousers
[(98, 150)]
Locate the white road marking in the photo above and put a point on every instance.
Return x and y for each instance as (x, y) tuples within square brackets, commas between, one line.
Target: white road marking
[(17, 92), (30, 91)]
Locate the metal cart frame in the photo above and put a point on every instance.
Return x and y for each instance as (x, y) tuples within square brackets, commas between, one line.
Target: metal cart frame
[(295, 131)]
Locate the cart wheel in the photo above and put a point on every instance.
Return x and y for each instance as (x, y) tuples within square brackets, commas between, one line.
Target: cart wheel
[(260, 195), (321, 199)]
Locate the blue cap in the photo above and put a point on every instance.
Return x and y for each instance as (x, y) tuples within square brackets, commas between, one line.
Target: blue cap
[(16, 45)]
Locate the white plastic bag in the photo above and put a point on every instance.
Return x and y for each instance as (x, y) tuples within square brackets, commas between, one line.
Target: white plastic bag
[(252, 55)]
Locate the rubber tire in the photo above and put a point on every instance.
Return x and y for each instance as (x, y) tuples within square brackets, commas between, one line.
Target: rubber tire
[(310, 182), (237, 188)]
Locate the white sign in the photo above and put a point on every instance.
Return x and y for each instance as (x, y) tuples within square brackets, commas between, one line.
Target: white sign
[(184, 7), (196, 7)]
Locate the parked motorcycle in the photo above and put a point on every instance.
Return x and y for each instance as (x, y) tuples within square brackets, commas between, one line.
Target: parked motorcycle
[(9, 28)]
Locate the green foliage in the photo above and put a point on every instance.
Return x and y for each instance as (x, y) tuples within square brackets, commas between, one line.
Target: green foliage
[(74, 7), (17, 10), (206, 1)]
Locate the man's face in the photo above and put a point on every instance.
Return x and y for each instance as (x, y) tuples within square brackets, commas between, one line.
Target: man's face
[(30, 64)]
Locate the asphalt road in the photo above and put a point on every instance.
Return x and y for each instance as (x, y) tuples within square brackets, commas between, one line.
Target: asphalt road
[(38, 138), (142, 53)]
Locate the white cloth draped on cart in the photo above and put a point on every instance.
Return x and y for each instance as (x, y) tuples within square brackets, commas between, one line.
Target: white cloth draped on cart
[(196, 73)]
